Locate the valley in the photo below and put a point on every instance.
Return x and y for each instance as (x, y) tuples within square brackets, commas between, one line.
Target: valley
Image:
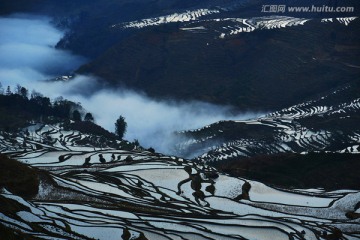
[(179, 119)]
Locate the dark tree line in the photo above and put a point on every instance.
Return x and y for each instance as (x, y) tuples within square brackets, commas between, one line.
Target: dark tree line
[(18, 107), (76, 116)]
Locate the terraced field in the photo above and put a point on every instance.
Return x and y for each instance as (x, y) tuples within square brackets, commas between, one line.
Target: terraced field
[(327, 124), (197, 21), (104, 193)]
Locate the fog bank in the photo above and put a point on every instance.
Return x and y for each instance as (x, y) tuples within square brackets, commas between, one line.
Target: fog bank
[(150, 121), (30, 60), (28, 53)]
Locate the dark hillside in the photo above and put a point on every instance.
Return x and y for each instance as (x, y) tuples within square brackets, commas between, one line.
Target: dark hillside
[(18, 178), (259, 70), (331, 171), (17, 111)]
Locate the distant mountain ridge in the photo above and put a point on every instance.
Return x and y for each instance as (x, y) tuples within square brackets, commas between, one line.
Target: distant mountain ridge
[(247, 70), (217, 57)]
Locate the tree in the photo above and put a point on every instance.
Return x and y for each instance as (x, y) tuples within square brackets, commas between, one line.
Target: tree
[(129, 159), (8, 91), (89, 117), (136, 143), (1, 89), (24, 92), (120, 127), (76, 116), (35, 94), (64, 109), (18, 89)]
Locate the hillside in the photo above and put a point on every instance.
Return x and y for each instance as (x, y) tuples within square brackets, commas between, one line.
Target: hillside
[(328, 123), (106, 193), (79, 181), (246, 70), (328, 171)]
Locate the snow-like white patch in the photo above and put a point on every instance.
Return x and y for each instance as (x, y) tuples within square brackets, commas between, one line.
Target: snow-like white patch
[(30, 217), (138, 167), (167, 178), (105, 188), (11, 221), (346, 20), (193, 28), (101, 233), (240, 25), (226, 186), (172, 18), (327, 20), (259, 192)]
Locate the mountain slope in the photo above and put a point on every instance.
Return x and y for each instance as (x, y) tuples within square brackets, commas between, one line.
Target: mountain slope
[(206, 60), (328, 171), (327, 123), (107, 193)]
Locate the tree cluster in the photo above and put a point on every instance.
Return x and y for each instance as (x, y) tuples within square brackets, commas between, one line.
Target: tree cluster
[(18, 108), (36, 107)]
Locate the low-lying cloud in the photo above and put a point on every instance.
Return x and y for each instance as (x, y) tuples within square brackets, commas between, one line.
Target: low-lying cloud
[(29, 61), (150, 121), (28, 53)]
